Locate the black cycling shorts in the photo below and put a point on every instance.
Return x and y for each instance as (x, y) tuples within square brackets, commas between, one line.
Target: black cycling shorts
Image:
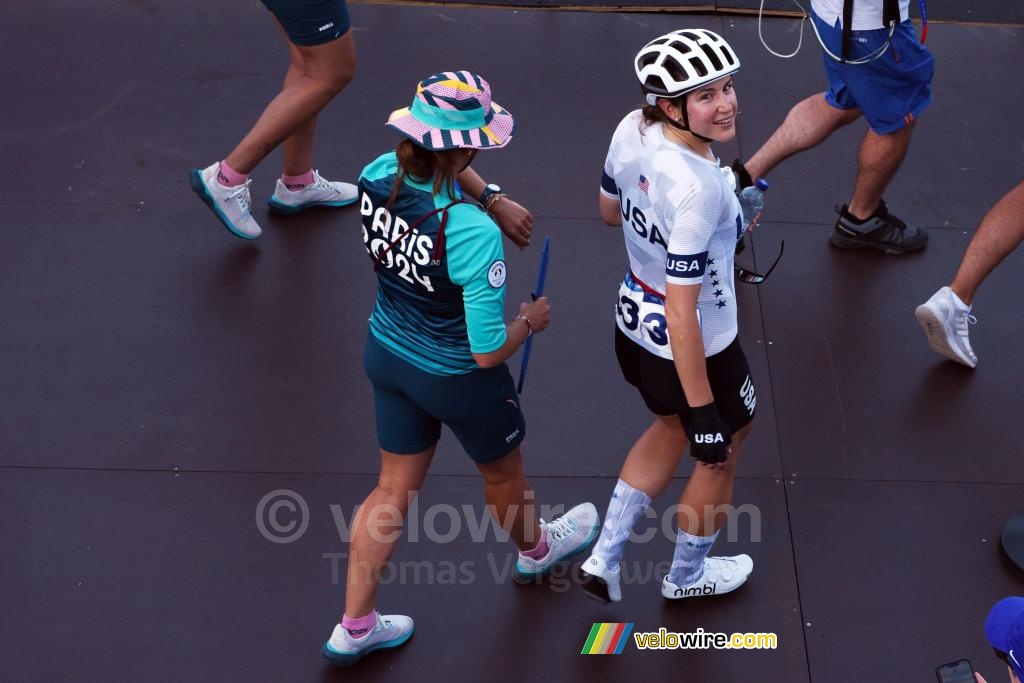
[(658, 382)]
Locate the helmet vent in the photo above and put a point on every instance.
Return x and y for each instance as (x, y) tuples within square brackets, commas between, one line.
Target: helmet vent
[(678, 62)]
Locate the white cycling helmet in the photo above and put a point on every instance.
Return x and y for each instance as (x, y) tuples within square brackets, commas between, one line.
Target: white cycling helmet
[(681, 61)]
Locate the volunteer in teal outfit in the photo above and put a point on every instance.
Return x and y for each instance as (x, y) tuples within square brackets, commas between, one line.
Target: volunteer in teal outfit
[(437, 347)]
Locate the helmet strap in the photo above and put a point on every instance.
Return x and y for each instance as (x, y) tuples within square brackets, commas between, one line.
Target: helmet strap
[(685, 125)]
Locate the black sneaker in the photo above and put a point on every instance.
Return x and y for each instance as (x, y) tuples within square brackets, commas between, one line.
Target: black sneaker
[(882, 231)]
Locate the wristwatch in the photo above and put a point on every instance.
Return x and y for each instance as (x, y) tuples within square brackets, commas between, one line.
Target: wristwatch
[(489, 191)]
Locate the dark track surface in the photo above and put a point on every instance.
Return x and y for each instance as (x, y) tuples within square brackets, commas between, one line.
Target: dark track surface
[(160, 377)]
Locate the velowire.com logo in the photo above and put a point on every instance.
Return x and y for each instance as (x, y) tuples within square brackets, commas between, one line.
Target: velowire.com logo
[(607, 639)]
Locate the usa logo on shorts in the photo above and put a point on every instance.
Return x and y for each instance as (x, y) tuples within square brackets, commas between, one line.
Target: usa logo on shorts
[(749, 396)]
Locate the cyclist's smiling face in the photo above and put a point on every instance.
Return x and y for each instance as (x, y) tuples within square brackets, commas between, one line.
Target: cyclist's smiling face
[(712, 110)]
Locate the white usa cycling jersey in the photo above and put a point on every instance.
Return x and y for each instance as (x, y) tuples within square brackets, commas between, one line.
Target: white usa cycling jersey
[(681, 221)]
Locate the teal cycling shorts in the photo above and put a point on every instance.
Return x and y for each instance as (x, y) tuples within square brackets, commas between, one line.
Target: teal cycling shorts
[(311, 22), (481, 407)]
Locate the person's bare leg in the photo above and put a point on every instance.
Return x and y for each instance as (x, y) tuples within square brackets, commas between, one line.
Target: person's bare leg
[(999, 233), (653, 459), (878, 160), (808, 123), (647, 471), (707, 489), (298, 148), (378, 524), (505, 487), (324, 71)]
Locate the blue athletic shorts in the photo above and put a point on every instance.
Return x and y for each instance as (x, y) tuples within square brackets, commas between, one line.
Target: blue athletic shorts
[(480, 407), (311, 22), (890, 91)]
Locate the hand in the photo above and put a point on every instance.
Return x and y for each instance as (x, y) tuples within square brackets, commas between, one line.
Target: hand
[(979, 677), (514, 220), (743, 178), (710, 436), (539, 313), (753, 223)]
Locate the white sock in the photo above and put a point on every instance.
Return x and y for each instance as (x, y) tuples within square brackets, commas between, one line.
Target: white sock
[(626, 506), (688, 558)]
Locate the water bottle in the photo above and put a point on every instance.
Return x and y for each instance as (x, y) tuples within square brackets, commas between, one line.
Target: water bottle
[(752, 202)]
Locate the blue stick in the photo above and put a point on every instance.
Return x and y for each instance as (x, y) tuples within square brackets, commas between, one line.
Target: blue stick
[(538, 292)]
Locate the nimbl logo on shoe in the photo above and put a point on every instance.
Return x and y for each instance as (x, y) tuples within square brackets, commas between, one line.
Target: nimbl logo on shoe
[(607, 639), (706, 589)]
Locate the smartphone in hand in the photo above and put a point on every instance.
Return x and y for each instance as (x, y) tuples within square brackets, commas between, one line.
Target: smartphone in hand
[(959, 671)]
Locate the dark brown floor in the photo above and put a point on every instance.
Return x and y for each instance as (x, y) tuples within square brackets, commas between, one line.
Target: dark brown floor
[(161, 377)]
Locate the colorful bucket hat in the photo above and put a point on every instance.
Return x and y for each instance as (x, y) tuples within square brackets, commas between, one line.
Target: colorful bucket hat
[(454, 110)]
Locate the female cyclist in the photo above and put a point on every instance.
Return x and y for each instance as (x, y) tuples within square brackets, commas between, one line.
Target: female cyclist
[(676, 332)]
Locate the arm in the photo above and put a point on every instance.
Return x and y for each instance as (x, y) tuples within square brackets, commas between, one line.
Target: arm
[(611, 213), (476, 262), (513, 218), (688, 352), (687, 343), (537, 317), (471, 182), (696, 212), (694, 223), (608, 198)]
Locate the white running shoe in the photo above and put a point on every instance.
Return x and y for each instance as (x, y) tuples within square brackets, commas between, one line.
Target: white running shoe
[(599, 580), (230, 204), (391, 631), (568, 535), (946, 325), (721, 575), (320, 192)]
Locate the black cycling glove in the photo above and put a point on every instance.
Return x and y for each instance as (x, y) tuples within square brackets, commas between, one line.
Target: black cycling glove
[(709, 435), (743, 178)]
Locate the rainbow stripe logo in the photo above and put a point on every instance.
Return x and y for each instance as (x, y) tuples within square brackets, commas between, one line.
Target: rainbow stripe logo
[(607, 639)]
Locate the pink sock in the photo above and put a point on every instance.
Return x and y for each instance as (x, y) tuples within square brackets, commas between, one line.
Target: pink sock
[(229, 177), (297, 182), (541, 548), (357, 628)]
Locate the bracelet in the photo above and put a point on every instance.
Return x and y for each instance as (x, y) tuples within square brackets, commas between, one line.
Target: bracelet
[(526, 320), (492, 200)]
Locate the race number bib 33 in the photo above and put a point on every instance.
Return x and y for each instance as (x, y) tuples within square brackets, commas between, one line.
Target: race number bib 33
[(641, 317)]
